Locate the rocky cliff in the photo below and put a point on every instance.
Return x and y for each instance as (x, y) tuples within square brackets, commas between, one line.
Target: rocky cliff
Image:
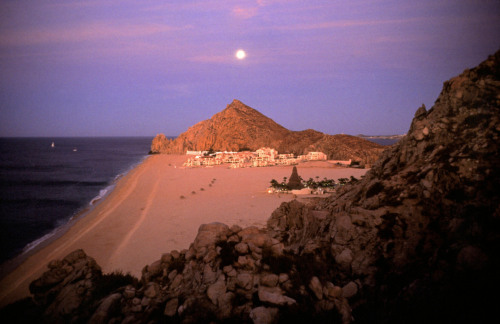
[(419, 235), (241, 127), (417, 240)]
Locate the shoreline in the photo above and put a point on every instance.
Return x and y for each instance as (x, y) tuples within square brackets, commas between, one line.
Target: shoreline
[(144, 215), (36, 245)]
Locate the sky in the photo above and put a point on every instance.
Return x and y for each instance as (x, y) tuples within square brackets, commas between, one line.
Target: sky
[(139, 67)]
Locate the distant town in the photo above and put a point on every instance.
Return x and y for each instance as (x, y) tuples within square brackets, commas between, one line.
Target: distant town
[(260, 158)]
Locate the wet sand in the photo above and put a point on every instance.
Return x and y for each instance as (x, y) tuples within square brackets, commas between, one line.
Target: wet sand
[(146, 216)]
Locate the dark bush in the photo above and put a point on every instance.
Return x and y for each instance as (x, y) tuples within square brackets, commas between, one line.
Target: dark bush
[(277, 264), (228, 254), (385, 229), (476, 120), (374, 189), (305, 312), (21, 311), (109, 283), (176, 264)]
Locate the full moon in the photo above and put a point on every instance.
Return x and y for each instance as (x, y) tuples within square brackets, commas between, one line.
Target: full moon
[(240, 54)]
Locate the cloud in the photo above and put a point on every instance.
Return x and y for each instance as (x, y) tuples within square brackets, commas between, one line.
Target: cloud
[(345, 24), (210, 58), (244, 13), (85, 32), (174, 90), (251, 9)]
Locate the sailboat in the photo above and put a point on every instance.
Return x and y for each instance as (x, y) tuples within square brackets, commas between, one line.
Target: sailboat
[(52, 145)]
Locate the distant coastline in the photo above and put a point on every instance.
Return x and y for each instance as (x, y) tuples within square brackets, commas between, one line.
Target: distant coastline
[(385, 140)]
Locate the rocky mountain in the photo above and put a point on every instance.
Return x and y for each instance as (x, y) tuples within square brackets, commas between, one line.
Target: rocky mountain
[(417, 240), (419, 235), (241, 127)]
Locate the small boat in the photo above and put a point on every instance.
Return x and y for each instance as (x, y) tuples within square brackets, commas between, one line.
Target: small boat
[(74, 150), (52, 145)]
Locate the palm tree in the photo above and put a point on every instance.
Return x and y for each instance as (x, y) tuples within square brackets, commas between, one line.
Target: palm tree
[(343, 181)]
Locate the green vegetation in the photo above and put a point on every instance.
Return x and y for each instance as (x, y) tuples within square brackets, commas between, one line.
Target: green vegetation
[(177, 264), (228, 254), (109, 283), (325, 183), (312, 184)]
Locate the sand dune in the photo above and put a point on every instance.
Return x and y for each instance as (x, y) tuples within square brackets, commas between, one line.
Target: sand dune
[(146, 216)]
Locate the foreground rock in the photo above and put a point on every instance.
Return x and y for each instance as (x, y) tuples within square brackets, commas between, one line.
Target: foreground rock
[(415, 241)]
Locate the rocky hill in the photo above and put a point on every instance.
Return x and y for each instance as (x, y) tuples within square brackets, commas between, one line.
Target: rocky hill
[(417, 240), (241, 127)]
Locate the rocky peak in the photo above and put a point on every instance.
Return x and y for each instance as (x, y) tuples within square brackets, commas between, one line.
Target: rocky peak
[(239, 106), (239, 126), (421, 229)]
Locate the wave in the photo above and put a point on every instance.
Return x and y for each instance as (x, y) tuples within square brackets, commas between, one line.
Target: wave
[(32, 168), (52, 183), (102, 194), (33, 202), (79, 209), (30, 246)]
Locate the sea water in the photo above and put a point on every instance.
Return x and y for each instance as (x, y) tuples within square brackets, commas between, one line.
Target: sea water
[(42, 186), (384, 141)]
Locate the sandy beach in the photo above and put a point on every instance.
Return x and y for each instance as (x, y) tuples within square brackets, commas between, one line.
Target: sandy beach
[(145, 215)]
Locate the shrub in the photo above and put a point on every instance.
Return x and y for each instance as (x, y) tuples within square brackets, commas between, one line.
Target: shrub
[(374, 189), (277, 264), (109, 283), (177, 264), (228, 254), (475, 120)]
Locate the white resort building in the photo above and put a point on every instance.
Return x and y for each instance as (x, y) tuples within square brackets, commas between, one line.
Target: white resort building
[(264, 156)]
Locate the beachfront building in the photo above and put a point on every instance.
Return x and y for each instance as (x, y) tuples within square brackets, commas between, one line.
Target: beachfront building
[(267, 153), (264, 156), (199, 153), (316, 156)]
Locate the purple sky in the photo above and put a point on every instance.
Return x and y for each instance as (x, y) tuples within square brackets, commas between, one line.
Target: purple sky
[(137, 67)]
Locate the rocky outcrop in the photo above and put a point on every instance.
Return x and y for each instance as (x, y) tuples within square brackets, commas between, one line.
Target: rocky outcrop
[(160, 144), (227, 274), (415, 241), (241, 127), (419, 236)]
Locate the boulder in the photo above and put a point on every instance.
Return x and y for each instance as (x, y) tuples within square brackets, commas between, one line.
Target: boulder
[(216, 290), (263, 315), (209, 234), (274, 296), (269, 280), (316, 287), (171, 307), (350, 290), (101, 315), (244, 280)]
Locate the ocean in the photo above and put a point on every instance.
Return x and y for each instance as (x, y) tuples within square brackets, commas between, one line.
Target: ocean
[(383, 141), (43, 187)]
